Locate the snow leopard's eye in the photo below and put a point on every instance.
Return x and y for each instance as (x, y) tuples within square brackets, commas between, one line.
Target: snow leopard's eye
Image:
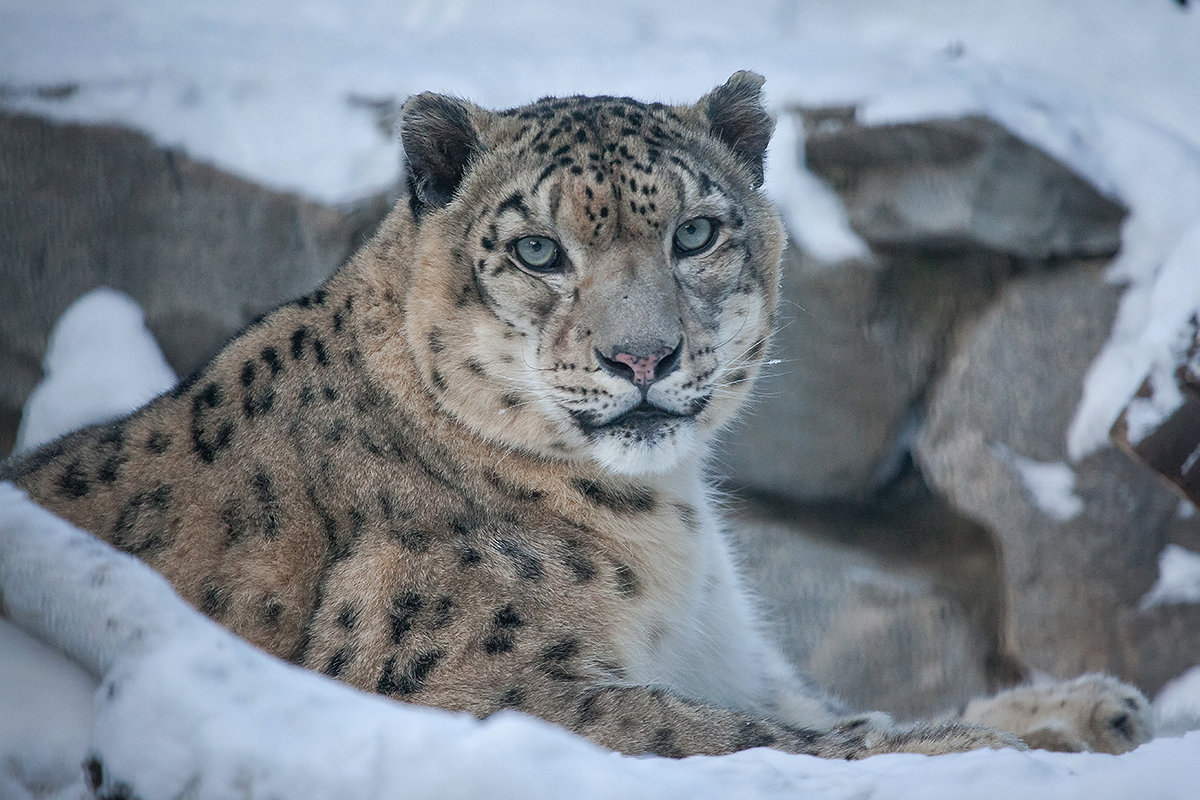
[(694, 235), (537, 253)]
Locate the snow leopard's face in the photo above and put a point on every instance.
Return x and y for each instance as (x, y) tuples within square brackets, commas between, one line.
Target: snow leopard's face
[(596, 277)]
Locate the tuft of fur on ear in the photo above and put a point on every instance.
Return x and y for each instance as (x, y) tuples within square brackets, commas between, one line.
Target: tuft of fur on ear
[(439, 141), (737, 117)]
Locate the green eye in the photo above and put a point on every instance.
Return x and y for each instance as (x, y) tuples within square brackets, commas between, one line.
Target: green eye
[(694, 235), (536, 252)]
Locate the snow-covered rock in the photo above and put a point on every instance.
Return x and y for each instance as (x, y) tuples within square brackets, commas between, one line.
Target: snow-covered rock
[(99, 350), (201, 251)]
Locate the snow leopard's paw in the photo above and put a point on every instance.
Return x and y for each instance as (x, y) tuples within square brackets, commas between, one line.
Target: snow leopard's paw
[(1093, 712)]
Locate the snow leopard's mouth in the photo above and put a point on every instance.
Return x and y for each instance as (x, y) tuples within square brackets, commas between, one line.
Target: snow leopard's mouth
[(643, 421)]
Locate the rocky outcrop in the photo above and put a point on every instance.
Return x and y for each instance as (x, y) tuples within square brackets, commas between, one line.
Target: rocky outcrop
[(959, 184), (203, 252), (1080, 541), (965, 343)]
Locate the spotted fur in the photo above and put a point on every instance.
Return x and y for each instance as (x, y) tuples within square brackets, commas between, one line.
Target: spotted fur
[(431, 478)]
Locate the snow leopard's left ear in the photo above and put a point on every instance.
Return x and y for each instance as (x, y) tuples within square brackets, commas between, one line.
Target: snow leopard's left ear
[(439, 139), (737, 117)]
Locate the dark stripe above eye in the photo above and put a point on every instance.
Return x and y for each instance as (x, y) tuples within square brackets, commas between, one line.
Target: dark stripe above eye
[(515, 202)]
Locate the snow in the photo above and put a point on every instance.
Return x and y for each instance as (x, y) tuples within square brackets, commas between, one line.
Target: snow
[(185, 708), (294, 95), (100, 351), (1177, 707), (47, 716), (1178, 578), (1051, 485), (817, 219)]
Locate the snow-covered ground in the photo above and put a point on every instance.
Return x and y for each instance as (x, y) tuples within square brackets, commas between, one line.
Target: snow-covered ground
[(285, 93)]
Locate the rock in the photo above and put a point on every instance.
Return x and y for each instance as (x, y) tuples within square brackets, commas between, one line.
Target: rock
[(896, 606), (202, 251), (1161, 425), (858, 344), (1079, 541), (954, 184)]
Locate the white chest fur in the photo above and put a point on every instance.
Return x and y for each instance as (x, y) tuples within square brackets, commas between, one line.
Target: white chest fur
[(696, 629)]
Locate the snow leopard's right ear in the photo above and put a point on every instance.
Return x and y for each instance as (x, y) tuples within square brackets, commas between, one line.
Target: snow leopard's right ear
[(439, 141)]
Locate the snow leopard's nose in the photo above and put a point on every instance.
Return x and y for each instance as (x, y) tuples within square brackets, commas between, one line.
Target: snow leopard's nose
[(641, 366)]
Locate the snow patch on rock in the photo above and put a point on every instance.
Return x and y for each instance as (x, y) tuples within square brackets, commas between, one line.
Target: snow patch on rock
[(1178, 578)]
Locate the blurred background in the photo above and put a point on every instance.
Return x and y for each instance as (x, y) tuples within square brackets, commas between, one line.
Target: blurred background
[(995, 219)]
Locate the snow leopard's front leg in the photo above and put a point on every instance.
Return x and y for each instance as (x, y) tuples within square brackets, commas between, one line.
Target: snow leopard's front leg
[(639, 720)]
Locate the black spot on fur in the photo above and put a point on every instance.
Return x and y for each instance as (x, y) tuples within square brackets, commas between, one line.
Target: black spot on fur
[(555, 659), (753, 733), (512, 698), (255, 403), (405, 608), (516, 202), (411, 538), (209, 437), (339, 546), (335, 431), (435, 341), (413, 677), (504, 622), (579, 563), (317, 298), (109, 469), (270, 357), (298, 337), (469, 557), (144, 525), (158, 442), (634, 499), (588, 709), (319, 350), (519, 493), (627, 582), (269, 505), (443, 612), (662, 743), (438, 381), (215, 599), (233, 517), (528, 565), (338, 662), (269, 610), (73, 482)]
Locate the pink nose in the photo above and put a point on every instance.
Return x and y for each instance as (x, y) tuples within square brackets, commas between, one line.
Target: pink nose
[(643, 366)]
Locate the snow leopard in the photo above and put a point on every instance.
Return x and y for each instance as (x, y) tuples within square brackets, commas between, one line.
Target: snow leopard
[(467, 471)]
